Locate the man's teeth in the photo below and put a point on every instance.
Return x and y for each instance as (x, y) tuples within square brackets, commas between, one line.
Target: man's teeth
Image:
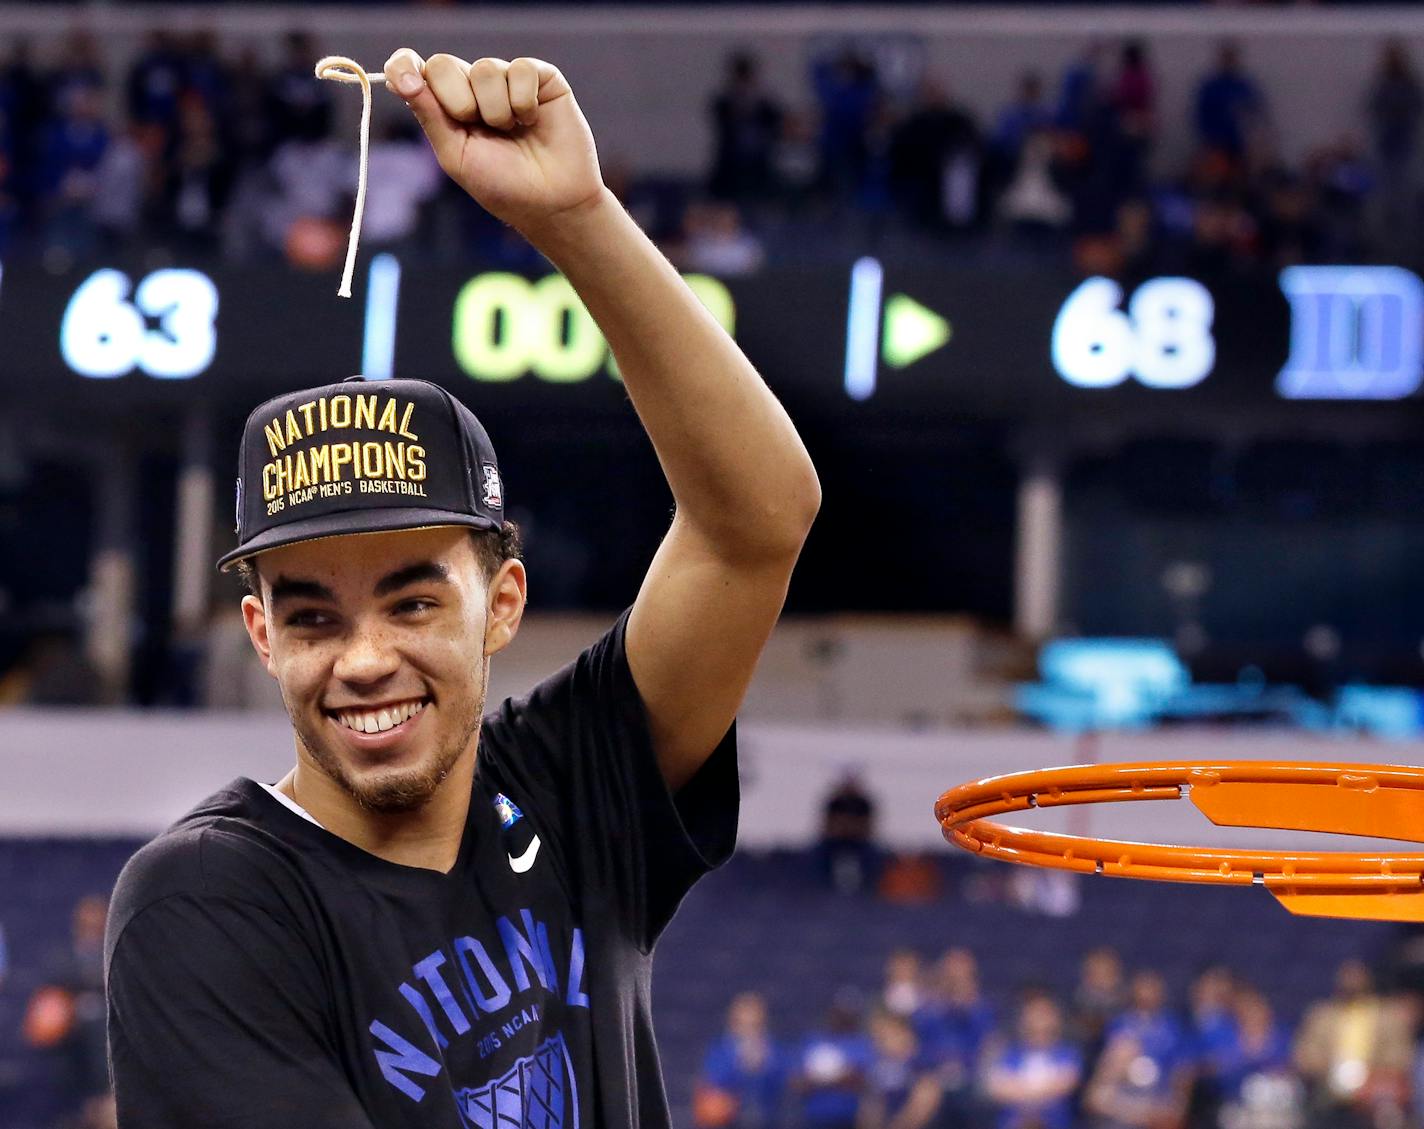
[(378, 721)]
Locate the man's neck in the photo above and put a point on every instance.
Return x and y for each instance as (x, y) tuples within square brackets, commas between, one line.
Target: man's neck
[(428, 837)]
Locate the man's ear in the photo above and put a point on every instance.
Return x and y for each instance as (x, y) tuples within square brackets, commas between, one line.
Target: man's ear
[(254, 618), (508, 590)]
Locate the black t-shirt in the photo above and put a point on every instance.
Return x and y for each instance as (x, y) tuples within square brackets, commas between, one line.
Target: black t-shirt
[(265, 973)]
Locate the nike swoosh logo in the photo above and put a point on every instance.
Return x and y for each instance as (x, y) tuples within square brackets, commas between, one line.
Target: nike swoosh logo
[(526, 860)]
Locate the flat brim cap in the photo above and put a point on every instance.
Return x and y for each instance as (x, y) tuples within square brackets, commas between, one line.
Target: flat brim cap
[(362, 457)]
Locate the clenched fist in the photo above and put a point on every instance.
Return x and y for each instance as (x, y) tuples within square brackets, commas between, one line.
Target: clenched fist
[(509, 133)]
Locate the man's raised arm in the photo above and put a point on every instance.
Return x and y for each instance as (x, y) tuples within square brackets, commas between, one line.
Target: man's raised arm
[(512, 135)]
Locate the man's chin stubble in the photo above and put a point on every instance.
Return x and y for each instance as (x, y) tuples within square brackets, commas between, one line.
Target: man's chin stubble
[(397, 792), (401, 792)]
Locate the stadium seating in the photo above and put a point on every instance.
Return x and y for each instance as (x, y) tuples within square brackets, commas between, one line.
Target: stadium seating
[(769, 921)]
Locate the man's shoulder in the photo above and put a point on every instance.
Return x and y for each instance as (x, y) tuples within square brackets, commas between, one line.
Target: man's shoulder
[(215, 850), (602, 666)]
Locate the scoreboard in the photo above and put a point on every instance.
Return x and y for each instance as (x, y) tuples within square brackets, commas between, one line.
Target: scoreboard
[(862, 339)]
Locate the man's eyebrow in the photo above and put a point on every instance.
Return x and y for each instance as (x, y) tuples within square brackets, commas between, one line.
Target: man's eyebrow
[(422, 572), (287, 588)]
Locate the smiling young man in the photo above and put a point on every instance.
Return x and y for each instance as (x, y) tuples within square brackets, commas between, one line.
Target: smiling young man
[(440, 918)]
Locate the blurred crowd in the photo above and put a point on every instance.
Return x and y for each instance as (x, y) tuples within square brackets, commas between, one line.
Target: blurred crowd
[(61, 1026), (196, 153), (1071, 163), (934, 1049), (196, 150)]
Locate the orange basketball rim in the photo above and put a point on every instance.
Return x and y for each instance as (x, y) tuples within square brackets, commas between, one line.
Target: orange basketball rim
[(1380, 801)]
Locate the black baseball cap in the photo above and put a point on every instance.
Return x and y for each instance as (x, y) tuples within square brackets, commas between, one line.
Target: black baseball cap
[(362, 456)]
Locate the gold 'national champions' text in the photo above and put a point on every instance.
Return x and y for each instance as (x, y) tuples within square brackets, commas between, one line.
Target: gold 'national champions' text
[(399, 459)]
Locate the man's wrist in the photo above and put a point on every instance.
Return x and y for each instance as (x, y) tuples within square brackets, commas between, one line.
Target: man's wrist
[(573, 227)]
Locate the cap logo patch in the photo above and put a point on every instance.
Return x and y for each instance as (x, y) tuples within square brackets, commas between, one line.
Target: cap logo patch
[(312, 458), (493, 493)]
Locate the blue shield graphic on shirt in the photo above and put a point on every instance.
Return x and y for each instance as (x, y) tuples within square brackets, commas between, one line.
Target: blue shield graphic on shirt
[(507, 810), (537, 1092)]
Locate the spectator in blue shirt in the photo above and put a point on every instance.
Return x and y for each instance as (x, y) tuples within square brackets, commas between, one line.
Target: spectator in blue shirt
[(1229, 104), (902, 1089), (79, 68), (1258, 1046), (1212, 1034), (74, 143), (72, 148), (1031, 1080), (956, 1019), (1145, 1072), (1025, 115), (1148, 1021), (155, 81), (831, 1069), (953, 1025), (1213, 1015), (745, 1069), (848, 92), (1080, 92)]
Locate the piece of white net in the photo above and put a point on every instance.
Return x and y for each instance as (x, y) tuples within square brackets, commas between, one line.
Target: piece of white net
[(338, 68)]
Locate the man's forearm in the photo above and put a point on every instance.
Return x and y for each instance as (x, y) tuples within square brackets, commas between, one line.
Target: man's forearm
[(735, 464)]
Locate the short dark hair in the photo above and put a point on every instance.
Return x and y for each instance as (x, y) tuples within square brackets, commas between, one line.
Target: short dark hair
[(492, 548)]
